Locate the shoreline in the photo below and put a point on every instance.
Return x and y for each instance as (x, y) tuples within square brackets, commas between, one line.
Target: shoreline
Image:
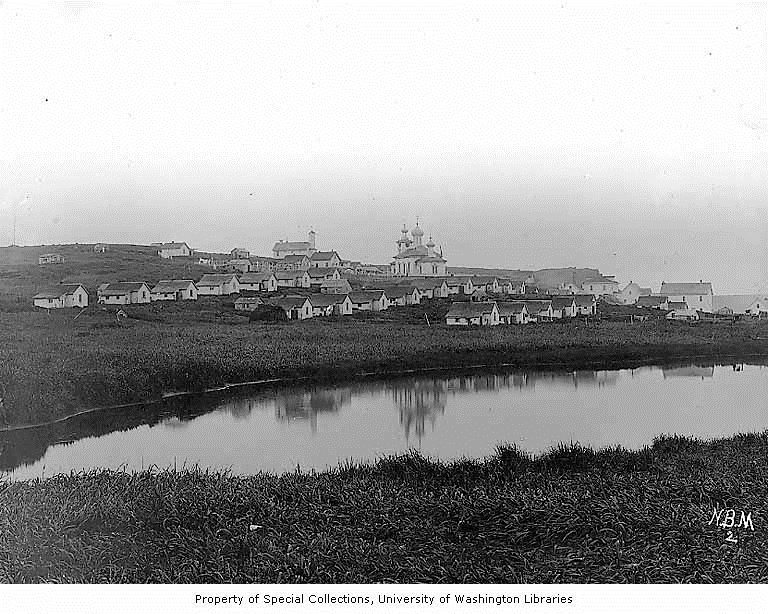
[(335, 378)]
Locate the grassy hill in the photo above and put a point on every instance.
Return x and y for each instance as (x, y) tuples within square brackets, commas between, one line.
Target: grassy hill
[(21, 277)]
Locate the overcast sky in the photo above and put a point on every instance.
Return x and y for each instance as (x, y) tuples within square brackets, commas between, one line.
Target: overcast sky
[(629, 137)]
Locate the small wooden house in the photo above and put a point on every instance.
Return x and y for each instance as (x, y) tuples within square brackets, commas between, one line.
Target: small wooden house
[(514, 312), (63, 295), (218, 284), (174, 290), (473, 314), (248, 303), (50, 259), (295, 307), (258, 282), (124, 293)]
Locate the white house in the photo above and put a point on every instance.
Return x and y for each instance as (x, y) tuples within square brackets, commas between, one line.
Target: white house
[(696, 296), (218, 284), (600, 286), (653, 301), (690, 315), (317, 275), (431, 287), (240, 265), (564, 307), (325, 260), (124, 293), (460, 285), (486, 285), (295, 307), (369, 300), (586, 304), (50, 259), (473, 313), (403, 295), (239, 253), (292, 279), (513, 313), (174, 290), (509, 286), (281, 249), (539, 310), (296, 262), (330, 304), (63, 295), (172, 249), (338, 286), (258, 282), (629, 294), (248, 303)]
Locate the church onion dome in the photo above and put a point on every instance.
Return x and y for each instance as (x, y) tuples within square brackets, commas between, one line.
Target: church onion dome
[(430, 243), (404, 230), (417, 232)]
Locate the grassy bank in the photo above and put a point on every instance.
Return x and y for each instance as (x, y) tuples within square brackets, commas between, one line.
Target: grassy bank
[(53, 365), (573, 515)]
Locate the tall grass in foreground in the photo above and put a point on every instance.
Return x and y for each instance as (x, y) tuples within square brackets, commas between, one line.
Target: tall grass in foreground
[(572, 515)]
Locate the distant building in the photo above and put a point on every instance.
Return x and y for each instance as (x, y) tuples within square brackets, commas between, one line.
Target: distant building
[(340, 286), (124, 293), (330, 304), (564, 306), (239, 253), (369, 300), (586, 304), (513, 313), (295, 307), (174, 290), (218, 284), (172, 249), (325, 260), (248, 303), (263, 263), (740, 304), (281, 249), (413, 259), (460, 285), (695, 295), (258, 282), (100, 248), (629, 295), (292, 279), (63, 295), (600, 286), (690, 315), (297, 262), (539, 310), (239, 265), (653, 301), (403, 295), (473, 313), (317, 275), (431, 287), (50, 259)]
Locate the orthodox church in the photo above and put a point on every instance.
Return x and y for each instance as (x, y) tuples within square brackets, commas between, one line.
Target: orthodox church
[(414, 259)]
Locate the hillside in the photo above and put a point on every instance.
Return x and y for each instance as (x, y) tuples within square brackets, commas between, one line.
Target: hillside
[(21, 277)]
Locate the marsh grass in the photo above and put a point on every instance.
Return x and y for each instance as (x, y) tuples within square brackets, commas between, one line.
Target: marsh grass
[(572, 515)]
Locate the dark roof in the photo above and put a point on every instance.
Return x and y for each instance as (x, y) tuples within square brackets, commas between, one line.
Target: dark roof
[(171, 245), (294, 258), (365, 296), (171, 285), (324, 255), (469, 310), (537, 305), (584, 300), (215, 279), (677, 305), (289, 302), (427, 283), (686, 288), (562, 302), (326, 300), (289, 245), (57, 291), (419, 250), (320, 272), (288, 274), (253, 278), (512, 308), (651, 301), (122, 287)]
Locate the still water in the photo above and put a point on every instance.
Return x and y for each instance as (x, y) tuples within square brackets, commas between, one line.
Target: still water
[(444, 416)]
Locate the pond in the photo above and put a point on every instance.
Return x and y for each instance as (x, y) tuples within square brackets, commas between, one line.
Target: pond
[(313, 426)]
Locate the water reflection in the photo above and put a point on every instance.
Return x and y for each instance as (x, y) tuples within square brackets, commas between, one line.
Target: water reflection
[(463, 413)]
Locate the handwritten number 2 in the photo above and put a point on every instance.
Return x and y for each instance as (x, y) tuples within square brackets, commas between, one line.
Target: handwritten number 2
[(731, 538)]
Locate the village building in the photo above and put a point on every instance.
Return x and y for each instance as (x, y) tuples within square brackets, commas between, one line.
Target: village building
[(473, 314), (586, 304), (509, 286), (295, 307), (331, 304), (740, 304), (403, 295), (60, 296), (317, 275), (124, 293), (369, 300), (281, 249), (695, 295), (460, 285), (413, 259), (335, 286), (50, 259), (563, 307), (600, 286), (248, 303), (258, 282), (685, 314), (629, 295), (652, 301), (292, 279), (325, 260), (218, 284), (263, 263), (100, 248), (174, 290), (486, 285), (239, 265), (676, 305), (513, 313), (298, 262), (539, 310), (172, 249), (431, 287), (239, 253)]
